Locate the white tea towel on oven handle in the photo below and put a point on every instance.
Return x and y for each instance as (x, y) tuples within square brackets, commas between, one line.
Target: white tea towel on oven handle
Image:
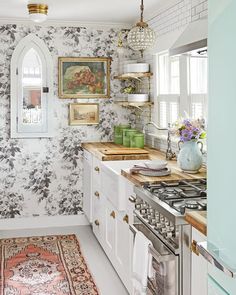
[(142, 264)]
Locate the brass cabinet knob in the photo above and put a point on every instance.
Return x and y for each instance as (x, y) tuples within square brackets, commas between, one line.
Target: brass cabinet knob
[(97, 169), (96, 222), (97, 194), (126, 218), (113, 214), (194, 248)]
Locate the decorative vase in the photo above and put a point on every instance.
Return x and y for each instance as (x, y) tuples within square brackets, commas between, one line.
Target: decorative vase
[(190, 156)]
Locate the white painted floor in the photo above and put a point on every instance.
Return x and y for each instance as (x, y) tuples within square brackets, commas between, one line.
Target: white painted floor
[(104, 274)]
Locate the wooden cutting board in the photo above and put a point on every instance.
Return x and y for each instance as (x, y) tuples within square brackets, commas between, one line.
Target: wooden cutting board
[(123, 151)]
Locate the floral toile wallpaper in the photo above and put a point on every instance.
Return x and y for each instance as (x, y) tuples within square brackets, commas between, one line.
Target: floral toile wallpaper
[(41, 177)]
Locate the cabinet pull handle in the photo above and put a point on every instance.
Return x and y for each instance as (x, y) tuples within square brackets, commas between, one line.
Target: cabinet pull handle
[(113, 214), (126, 218), (97, 194), (132, 199), (96, 222), (97, 169), (194, 248)]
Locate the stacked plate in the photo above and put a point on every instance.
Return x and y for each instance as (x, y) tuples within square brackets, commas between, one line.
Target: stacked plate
[(152, 168)]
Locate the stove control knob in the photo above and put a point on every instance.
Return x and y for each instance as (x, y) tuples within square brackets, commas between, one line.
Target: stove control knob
[(162, 219), (163, 230), (152, 221), (158, 226), (169, 234), (138, 206), (167, 222), (143, 211)]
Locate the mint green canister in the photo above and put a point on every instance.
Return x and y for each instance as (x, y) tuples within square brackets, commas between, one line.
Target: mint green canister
[(137, 140), (118, 133), (127, 134)]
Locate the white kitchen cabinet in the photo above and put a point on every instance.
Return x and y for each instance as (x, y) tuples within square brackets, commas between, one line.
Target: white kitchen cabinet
[(110, 227), (110, 221), (122, 248), (87, 185), (199, 268)]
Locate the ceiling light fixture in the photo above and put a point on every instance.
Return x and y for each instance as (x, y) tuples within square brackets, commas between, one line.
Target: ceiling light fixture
[(141, 36), (38, 12)]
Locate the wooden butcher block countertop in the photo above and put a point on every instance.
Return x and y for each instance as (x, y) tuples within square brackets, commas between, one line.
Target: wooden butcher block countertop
[(198, 219), (96, 147)]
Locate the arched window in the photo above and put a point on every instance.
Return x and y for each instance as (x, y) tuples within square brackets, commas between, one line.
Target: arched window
[(31, 89)]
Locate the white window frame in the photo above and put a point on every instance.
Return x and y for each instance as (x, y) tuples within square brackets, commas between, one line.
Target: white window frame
[(46, 128), (185, 98)]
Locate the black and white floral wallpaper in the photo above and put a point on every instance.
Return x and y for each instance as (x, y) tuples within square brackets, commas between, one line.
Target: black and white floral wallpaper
[(41, 177)]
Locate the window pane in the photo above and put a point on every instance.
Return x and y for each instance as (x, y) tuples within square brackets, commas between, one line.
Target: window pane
[(163, 74), (174, 112), (31, 88), (174, 75), (198, 75), (163, 114), (197, 110)]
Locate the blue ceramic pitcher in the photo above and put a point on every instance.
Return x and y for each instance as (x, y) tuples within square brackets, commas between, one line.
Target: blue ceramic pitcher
[(190, 156)]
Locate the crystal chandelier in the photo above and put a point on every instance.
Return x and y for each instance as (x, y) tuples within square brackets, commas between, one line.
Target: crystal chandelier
[(141, 36)]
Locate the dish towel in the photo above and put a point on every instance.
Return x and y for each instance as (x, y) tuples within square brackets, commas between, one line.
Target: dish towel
[(142, 264)]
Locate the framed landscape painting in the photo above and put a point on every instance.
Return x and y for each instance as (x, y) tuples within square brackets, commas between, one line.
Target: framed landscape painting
[(84, 77), (83, 114)]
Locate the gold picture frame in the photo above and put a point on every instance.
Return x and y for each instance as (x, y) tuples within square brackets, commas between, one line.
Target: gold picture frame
[(84, 77), (83, 114)]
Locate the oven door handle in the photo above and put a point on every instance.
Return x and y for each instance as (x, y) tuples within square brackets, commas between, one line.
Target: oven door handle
[(155, 254)]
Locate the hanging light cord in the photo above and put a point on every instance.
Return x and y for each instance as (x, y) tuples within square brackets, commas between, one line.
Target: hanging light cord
[(142, 9)]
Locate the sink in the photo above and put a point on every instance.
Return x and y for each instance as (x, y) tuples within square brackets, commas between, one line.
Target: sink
[(112, 182)]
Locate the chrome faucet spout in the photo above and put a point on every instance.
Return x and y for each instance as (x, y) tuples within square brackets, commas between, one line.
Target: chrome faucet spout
[(169, 153)]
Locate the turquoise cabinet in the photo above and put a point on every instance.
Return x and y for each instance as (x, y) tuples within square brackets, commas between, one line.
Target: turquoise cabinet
[(221, 145)]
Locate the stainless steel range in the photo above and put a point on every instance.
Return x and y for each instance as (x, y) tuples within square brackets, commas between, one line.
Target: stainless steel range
[(160, 211)]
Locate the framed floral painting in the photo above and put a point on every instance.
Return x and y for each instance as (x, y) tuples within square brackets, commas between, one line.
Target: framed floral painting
[(84, 77), (83, 114)]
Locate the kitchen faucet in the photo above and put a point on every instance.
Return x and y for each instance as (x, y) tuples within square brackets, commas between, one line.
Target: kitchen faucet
[(169, 153)]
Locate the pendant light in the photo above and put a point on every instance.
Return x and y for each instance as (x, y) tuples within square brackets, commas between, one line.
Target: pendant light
[(38, 12), (141, 36)]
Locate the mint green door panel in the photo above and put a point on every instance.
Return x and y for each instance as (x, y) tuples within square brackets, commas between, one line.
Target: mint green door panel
[(222, 137), (214, 288)]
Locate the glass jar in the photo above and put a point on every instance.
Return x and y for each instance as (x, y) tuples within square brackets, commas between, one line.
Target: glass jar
[(118, 133), (137, 140)]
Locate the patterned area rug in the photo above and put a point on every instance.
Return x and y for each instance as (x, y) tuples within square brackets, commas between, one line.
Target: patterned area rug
[(50, 265)]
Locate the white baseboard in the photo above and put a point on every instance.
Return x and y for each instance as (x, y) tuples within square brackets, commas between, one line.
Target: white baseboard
[(43, 222)]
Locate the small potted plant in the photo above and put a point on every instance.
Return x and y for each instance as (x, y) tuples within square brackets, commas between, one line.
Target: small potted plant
[(190, 132)]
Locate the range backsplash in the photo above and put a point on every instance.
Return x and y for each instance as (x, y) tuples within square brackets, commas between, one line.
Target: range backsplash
[(41, 177)]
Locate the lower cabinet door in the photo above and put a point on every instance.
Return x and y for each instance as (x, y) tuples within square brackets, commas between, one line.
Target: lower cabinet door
[(122, 248), (110, 227), (98, 217), (199, 268)]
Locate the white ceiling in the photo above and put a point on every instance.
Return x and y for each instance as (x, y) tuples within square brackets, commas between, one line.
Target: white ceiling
[(102, 11)]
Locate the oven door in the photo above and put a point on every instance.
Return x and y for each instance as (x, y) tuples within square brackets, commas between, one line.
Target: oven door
[(164, 280)]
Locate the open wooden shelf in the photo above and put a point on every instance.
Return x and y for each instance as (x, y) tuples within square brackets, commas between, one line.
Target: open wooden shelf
[(134, 104), (128, 76)]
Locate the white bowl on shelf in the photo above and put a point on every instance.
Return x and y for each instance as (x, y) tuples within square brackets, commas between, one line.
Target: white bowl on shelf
[(156, 164), (136, 68), (138, 97)]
